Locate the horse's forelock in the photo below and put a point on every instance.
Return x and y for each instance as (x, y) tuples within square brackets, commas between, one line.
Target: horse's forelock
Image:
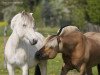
[(27, 18)]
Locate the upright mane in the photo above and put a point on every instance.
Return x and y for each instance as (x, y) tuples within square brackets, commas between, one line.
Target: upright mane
[(66, 30)]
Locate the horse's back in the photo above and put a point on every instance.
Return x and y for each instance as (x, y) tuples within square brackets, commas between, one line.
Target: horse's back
[(94, 36), (94, 40), (89, 34)]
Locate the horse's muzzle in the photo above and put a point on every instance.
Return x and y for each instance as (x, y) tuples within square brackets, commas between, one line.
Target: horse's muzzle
[(40, 55)]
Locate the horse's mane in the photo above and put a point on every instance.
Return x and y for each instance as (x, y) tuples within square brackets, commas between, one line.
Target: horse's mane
[(66, 30)]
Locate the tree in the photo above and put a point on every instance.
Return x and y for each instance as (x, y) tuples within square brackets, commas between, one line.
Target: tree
[(55, 12), (30, 4), (93, 11)]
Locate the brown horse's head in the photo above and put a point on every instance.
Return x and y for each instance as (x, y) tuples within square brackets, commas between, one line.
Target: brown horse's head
[(54, 44), (50, 48)]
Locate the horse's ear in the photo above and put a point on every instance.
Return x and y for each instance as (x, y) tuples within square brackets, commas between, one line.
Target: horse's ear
[(31, 13), (23, 11)]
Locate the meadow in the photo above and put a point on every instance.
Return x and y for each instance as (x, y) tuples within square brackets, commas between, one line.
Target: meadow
[(54, 65)]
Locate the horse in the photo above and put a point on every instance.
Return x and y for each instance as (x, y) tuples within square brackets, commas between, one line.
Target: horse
[(22, 45), (79, 51)]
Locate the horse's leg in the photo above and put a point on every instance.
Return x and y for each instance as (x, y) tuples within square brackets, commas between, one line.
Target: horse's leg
[(89, 71), (83, 69), (43, 67), (64, 69), (10, 69), (25, 70), (98, 67)]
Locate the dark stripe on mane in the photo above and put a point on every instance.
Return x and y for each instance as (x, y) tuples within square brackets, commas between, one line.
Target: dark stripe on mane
[(60, 30)]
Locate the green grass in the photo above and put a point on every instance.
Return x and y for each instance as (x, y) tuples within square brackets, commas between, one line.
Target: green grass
[(54, 65), (48, 30), (3, 23)]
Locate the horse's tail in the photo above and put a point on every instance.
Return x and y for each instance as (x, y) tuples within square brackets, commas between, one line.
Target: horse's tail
[(37, 70)]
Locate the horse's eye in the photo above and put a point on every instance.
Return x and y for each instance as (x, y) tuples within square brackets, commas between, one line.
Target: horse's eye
[(24, 25)]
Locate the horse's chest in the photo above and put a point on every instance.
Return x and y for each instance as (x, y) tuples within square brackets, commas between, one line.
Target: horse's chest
[(72, 63), (18, 58), (21, 57)]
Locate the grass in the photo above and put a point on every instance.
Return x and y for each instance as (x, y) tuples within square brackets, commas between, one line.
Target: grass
[(3, 23), (54, 65)]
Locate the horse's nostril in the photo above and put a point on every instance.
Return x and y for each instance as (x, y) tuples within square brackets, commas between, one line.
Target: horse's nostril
[(34, 41), (38, 55)]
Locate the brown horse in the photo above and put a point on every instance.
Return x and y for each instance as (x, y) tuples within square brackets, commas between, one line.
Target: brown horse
[(79, 51)]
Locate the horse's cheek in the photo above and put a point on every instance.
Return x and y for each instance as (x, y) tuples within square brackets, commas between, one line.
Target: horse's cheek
[(52, 54)]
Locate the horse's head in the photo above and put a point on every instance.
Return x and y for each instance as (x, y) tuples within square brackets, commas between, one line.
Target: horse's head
[(50, 48), (54, 44), (23, 25)]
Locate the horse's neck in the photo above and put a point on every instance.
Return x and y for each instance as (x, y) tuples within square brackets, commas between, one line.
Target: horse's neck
[(13, 41)]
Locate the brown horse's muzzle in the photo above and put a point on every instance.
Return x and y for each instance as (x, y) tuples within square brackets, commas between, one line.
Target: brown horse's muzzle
[(40, 55)]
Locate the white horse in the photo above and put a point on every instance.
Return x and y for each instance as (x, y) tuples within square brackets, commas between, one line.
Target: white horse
[(22, 45)]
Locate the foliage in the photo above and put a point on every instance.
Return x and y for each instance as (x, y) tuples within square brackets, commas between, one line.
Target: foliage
[(55, 12), (93, 9), (78, 17), (59, 12), (76, 12), (3, 23)]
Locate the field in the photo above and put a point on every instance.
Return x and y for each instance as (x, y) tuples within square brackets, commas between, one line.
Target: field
[(54, 65)]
